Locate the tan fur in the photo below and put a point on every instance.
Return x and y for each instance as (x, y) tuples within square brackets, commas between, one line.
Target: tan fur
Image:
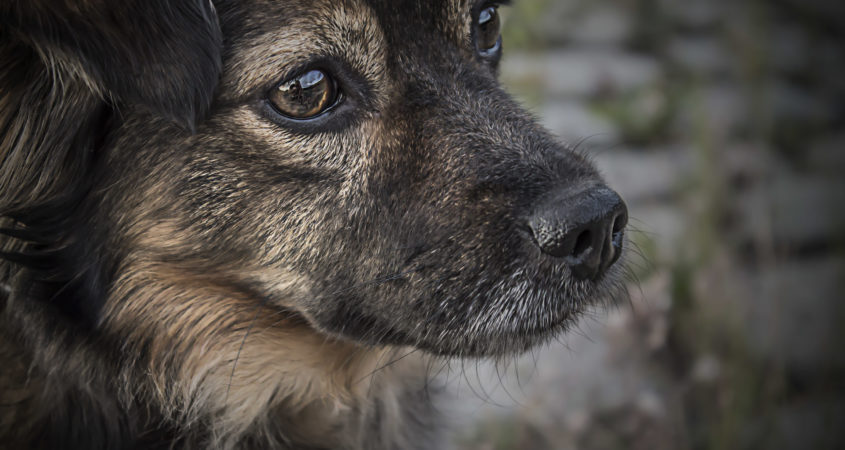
[(248, 361)]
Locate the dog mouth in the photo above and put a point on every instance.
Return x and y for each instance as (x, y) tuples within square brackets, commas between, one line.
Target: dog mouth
[(526, 309), (444, 305)]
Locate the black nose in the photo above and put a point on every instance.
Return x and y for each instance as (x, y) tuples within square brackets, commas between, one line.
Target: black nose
[(585, 228)]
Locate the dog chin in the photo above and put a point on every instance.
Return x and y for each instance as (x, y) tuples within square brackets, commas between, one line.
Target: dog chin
[(525, 316), (519, 312)]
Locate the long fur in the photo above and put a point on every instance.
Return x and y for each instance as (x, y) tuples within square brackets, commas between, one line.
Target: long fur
[(180, 267)]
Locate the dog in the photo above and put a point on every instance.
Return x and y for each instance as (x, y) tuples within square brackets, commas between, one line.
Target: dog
[(256, 223)]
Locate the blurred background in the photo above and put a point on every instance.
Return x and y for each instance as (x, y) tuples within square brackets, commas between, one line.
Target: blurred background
[(721, 124)]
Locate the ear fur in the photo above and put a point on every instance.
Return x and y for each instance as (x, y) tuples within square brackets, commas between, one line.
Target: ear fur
[(163, 54), (68, 68), (68, 63)]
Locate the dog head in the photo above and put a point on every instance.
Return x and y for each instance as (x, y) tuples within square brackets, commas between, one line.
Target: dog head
[(353, 164)]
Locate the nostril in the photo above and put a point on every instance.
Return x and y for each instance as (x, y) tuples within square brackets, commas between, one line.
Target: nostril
[(618, 228), (619, 223), (582, 243)]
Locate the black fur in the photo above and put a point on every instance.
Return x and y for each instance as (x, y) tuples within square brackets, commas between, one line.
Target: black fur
[(146, 188)]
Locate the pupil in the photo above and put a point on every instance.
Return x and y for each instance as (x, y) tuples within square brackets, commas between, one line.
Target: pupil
[(294, 89)]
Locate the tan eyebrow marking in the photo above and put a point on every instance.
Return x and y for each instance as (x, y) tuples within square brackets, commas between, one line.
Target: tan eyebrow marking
[(323, 29)]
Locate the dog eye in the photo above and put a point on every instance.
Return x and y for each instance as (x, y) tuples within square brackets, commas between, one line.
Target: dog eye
[(487, 30), (305, 96)]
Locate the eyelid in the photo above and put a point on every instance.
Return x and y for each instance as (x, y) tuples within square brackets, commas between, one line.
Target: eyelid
[(492, 51)]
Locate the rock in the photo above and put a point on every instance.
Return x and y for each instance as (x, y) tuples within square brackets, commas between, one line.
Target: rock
[(720, 110), (790, 103), (650, 404), (811, 423), (747, 163), (704, 56), (706, 369), (818, 8), (792, 212), (783, 312), (641, 176), (798, 114), (789, 49), (629, 428), (827, 53), (577, 125), (555, 21), (602, 26), (695, 15), (827, 155), (793, 314), (580, 73)]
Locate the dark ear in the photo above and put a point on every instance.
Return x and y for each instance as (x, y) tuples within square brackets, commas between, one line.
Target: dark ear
[(163, 55), (66, 68)]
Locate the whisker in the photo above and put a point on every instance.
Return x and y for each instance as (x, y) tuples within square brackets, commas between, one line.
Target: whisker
[(257, 309), (394, 361)]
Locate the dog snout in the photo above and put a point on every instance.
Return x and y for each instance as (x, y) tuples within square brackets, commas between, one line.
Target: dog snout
[(584, 229)]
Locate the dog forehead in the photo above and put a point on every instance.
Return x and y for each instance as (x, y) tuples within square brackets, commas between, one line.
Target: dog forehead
[(408, 18), (265, 38)]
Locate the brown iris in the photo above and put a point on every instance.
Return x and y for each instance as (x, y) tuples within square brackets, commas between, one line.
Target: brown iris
[(487, 33), (306, 95)]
